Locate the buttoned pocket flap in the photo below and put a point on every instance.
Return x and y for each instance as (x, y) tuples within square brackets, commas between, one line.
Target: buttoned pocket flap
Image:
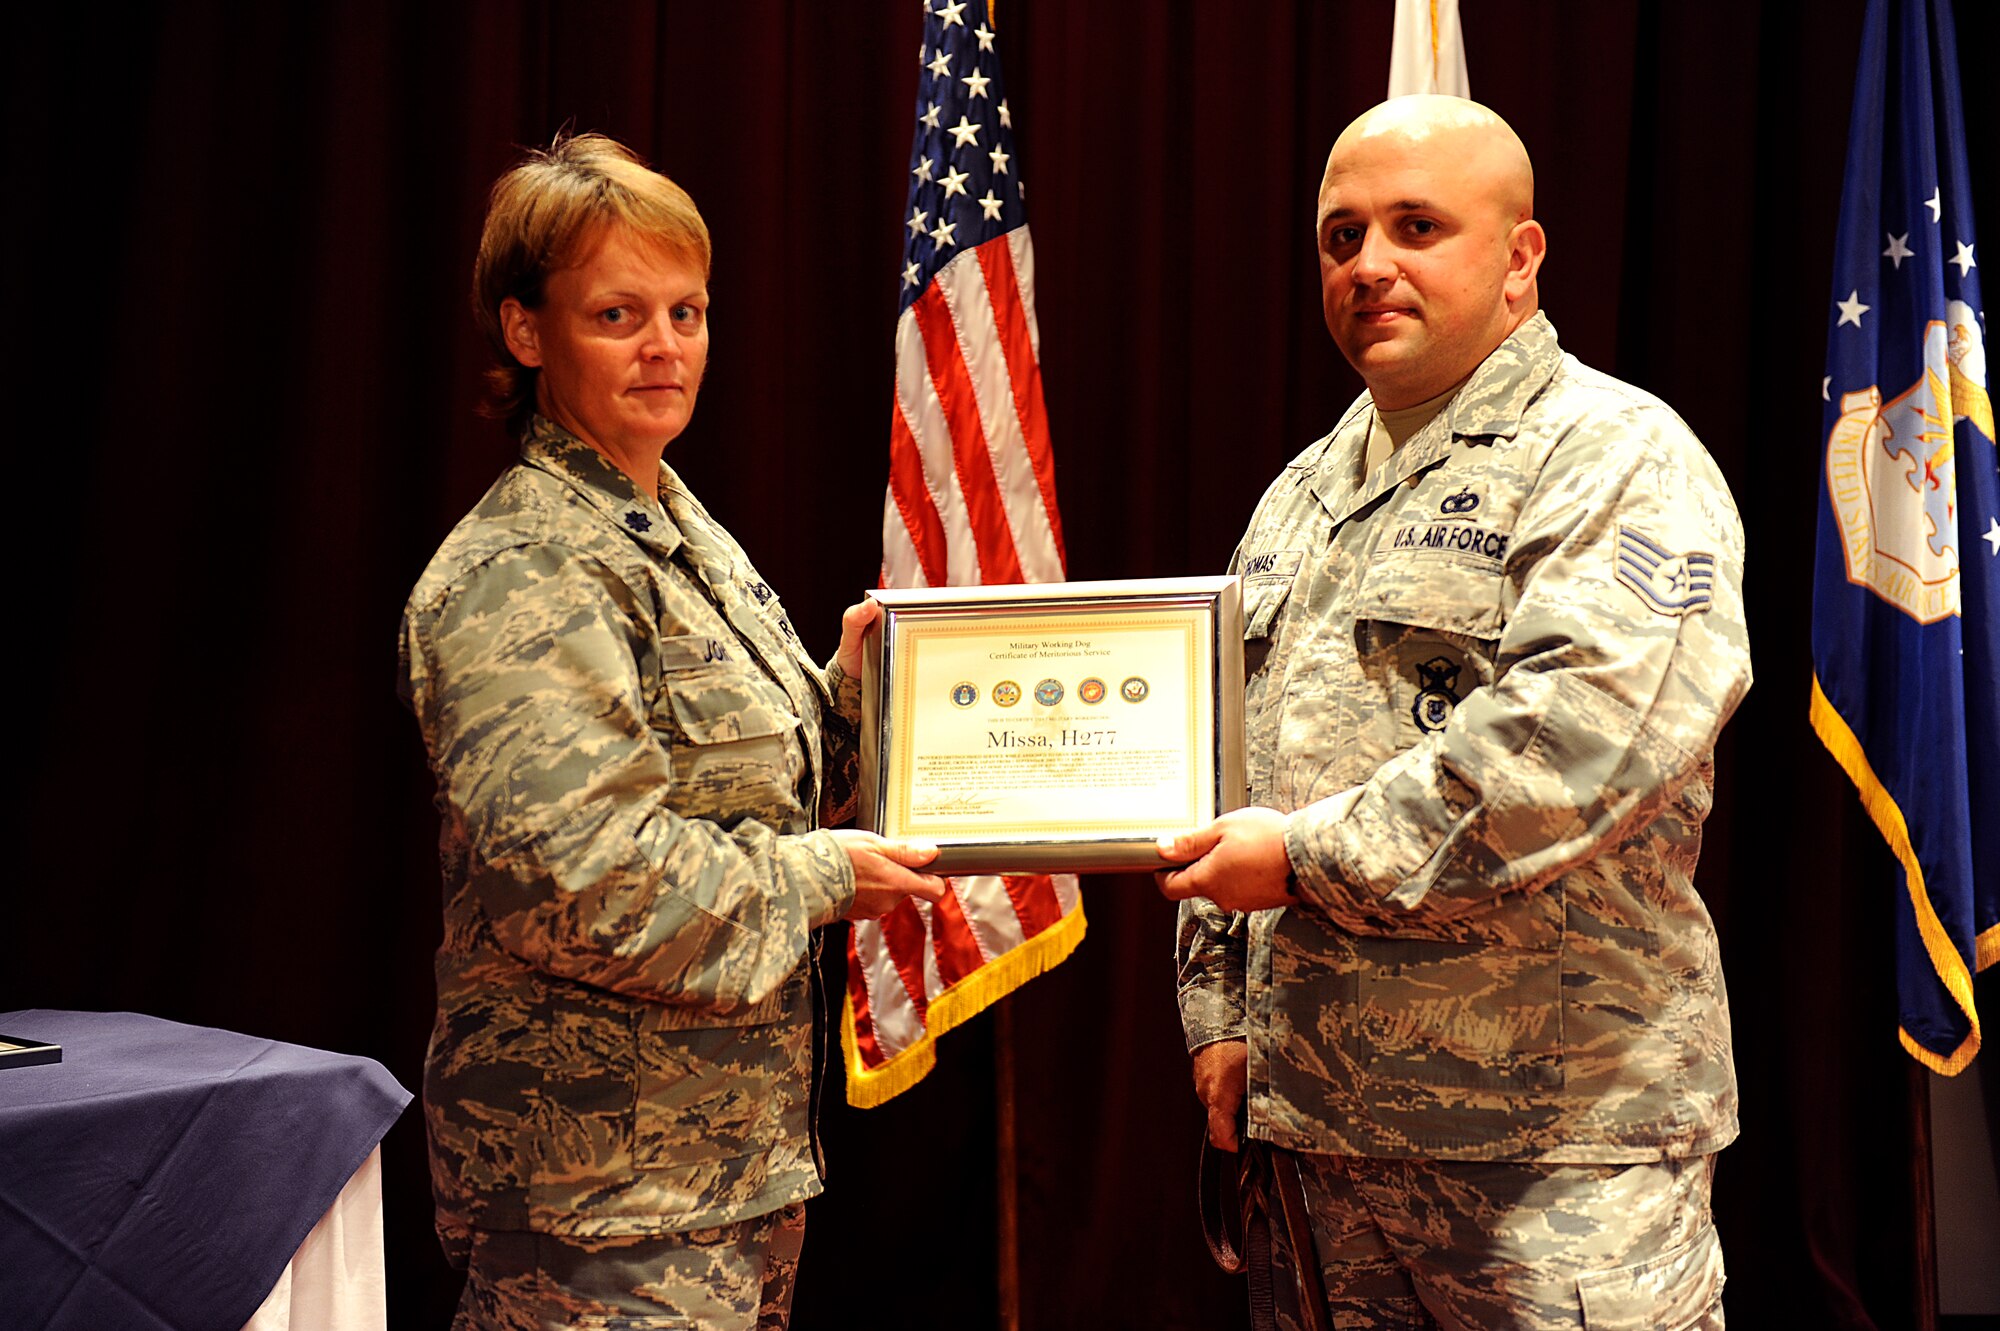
[(1262, 600), (723, 702)]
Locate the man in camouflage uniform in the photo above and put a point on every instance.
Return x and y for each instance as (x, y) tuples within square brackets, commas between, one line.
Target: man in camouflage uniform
[(1454, 959), (633, 755)]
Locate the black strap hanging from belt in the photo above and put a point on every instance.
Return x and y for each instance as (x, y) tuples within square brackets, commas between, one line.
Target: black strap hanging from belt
[(1237, 1219)]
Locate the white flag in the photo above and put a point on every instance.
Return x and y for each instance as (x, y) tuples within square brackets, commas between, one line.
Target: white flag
[(1428, 53)]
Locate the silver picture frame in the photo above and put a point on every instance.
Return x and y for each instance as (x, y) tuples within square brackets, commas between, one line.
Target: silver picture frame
[(1052, 727)]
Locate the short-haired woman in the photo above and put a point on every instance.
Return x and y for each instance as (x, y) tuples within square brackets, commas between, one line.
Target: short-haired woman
[(634, 756)]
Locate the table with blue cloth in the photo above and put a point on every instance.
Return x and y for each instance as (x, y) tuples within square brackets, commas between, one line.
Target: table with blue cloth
[(161, 1175)]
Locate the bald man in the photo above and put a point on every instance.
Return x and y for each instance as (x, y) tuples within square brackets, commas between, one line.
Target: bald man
[(1453, 962)]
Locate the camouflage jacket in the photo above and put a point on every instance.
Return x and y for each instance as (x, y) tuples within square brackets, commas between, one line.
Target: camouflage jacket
[(628, 745), (1486, 682)]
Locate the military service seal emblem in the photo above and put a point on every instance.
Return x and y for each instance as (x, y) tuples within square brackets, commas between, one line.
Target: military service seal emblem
[(1892, 472)]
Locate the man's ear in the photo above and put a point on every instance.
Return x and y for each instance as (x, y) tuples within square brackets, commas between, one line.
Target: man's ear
[(1526, 246), (518, 326)]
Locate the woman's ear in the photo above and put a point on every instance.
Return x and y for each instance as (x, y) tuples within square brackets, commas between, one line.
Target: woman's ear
[(518, 327)]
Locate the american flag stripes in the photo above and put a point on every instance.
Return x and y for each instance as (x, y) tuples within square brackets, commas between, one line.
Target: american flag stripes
[(971, 499)]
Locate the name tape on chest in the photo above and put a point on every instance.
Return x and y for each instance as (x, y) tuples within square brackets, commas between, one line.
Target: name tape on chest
[(1669, 583), (694, 649), (1273, 566)]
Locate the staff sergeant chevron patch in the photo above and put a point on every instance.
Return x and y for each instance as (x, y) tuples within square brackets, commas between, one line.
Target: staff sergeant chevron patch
[(1669, 583)]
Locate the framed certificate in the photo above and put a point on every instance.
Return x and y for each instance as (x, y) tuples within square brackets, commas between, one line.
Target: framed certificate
[(1052, 727)]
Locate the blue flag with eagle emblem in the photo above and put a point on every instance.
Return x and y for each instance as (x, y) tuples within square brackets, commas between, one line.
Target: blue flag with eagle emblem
[(1906, 606)]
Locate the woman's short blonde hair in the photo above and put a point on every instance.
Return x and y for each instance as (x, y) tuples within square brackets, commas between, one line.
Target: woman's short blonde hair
[(547, 213)]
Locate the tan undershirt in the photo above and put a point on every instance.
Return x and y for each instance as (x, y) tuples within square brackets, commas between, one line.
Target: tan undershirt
[(1390, 430)]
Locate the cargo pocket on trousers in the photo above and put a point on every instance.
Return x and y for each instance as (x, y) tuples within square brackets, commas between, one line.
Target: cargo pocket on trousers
[(1671, 1292), (708, 1085)]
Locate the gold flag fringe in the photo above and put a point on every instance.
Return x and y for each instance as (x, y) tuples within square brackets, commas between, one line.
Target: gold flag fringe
[(869, 1087), (1840, 741)]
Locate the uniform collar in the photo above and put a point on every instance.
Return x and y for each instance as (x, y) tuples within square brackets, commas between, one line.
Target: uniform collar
[(600, 484), (1490, 406), (1497, 395)]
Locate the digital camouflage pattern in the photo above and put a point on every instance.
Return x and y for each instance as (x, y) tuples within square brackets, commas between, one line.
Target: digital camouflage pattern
[(1413, 1245), (1486, 681), (627, 739), (726, 1278)]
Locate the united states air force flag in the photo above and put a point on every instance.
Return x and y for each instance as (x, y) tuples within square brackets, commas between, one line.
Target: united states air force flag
[(1906, 597)]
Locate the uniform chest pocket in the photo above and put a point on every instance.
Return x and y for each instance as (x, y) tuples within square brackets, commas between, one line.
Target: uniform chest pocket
[(1434, 591), (1263, 598), (1427, 627), (732, 737)]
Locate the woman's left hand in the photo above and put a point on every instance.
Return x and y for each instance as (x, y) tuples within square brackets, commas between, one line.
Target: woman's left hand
[(854, 622)]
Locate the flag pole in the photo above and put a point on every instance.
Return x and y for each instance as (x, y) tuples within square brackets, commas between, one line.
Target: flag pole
[(1007, 1173), (1923, 1200), (1006, 1168)]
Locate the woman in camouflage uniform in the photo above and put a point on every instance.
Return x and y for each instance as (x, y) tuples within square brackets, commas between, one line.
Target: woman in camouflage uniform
[(633, 756)]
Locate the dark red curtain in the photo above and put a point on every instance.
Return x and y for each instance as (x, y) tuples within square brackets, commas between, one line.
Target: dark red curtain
[(243, 381)]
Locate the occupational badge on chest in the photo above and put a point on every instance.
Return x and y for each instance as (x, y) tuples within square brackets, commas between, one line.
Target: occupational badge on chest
[(760, 592), (1437, 693), (1461, 503)]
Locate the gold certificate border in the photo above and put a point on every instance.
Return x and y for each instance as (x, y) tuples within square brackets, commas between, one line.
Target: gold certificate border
[(1057, 847), (1196, 625)]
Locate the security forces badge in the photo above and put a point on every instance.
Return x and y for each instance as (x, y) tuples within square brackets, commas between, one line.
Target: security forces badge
[(1437, 693)]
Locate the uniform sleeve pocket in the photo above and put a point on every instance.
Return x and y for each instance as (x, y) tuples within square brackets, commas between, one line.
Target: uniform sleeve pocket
[(1672, 1292)]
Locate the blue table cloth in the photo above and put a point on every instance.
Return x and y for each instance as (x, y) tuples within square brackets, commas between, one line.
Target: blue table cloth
[(162, 1175)]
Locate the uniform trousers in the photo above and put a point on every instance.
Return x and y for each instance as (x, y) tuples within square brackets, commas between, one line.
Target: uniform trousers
[(1419, 1245), (730, 1278)]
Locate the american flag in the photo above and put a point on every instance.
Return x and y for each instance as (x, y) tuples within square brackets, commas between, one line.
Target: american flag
[(972, 499)]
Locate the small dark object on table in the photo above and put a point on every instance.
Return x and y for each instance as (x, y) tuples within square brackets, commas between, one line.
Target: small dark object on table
[(20, 1052)]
